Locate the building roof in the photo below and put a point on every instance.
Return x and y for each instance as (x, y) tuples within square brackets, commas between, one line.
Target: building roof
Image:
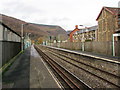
[(93, 28), (9, 29), (112, 10)]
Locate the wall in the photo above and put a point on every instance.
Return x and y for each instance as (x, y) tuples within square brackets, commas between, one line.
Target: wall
[(104, 48), (8, 50), (99, 47), (117, 48), (0, 54), (106, 26), (1, 38), (10, 44)]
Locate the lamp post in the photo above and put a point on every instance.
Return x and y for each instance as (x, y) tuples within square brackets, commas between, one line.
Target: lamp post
[(29, 39), (50, 37), (83, 40), (22, 37), (29, 35)]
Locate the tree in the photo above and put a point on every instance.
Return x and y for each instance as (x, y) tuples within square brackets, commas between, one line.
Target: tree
[(40, 40)]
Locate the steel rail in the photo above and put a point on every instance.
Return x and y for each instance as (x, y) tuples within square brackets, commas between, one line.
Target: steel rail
[(58, 70), (117, 76), (57, 67), (89, 71)]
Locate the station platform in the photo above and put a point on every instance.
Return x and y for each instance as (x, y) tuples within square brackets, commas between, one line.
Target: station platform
[(29, 71), (40, 75), (115, 59)]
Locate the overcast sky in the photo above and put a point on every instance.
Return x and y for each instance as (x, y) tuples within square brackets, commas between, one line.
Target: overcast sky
[(65, 13)]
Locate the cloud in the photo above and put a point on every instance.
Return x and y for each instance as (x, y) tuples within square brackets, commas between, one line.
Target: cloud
[(66, 13), (59, 19), (22, 10), (19, 7)]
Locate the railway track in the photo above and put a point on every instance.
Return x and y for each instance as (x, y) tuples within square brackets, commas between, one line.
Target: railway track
[(69, 78), (103, 75), (61, 56)]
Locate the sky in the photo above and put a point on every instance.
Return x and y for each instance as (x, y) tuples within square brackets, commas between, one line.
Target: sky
[(65, 13)]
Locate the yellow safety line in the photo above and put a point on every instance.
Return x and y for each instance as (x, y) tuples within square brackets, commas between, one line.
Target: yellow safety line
[(10, 61)]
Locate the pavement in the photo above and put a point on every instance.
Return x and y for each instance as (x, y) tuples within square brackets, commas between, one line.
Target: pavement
[(40, 76), (17, 75), (29, 71)]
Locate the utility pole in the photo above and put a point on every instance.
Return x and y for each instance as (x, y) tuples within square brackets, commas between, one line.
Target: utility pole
[(83, 40), (22, 37)]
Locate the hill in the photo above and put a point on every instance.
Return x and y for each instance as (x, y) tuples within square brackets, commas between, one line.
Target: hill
[(36, 30), (52, 30)]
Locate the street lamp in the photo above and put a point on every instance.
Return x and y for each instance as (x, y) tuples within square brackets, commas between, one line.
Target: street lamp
[(29, 38), (22, 37), (29, 35), (83, 40), (80, 25)]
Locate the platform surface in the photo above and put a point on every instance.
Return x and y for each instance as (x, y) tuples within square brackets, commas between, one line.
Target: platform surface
[(29, 71), (106, 57), (40, 75)]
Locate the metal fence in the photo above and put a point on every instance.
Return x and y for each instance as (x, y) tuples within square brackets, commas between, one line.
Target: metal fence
[(8, 50)]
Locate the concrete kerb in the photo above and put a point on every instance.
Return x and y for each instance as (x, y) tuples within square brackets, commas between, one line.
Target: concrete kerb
[(5, 67)]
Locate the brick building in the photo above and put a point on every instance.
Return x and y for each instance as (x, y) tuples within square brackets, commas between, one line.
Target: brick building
[(108, 24), (86, 34)]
